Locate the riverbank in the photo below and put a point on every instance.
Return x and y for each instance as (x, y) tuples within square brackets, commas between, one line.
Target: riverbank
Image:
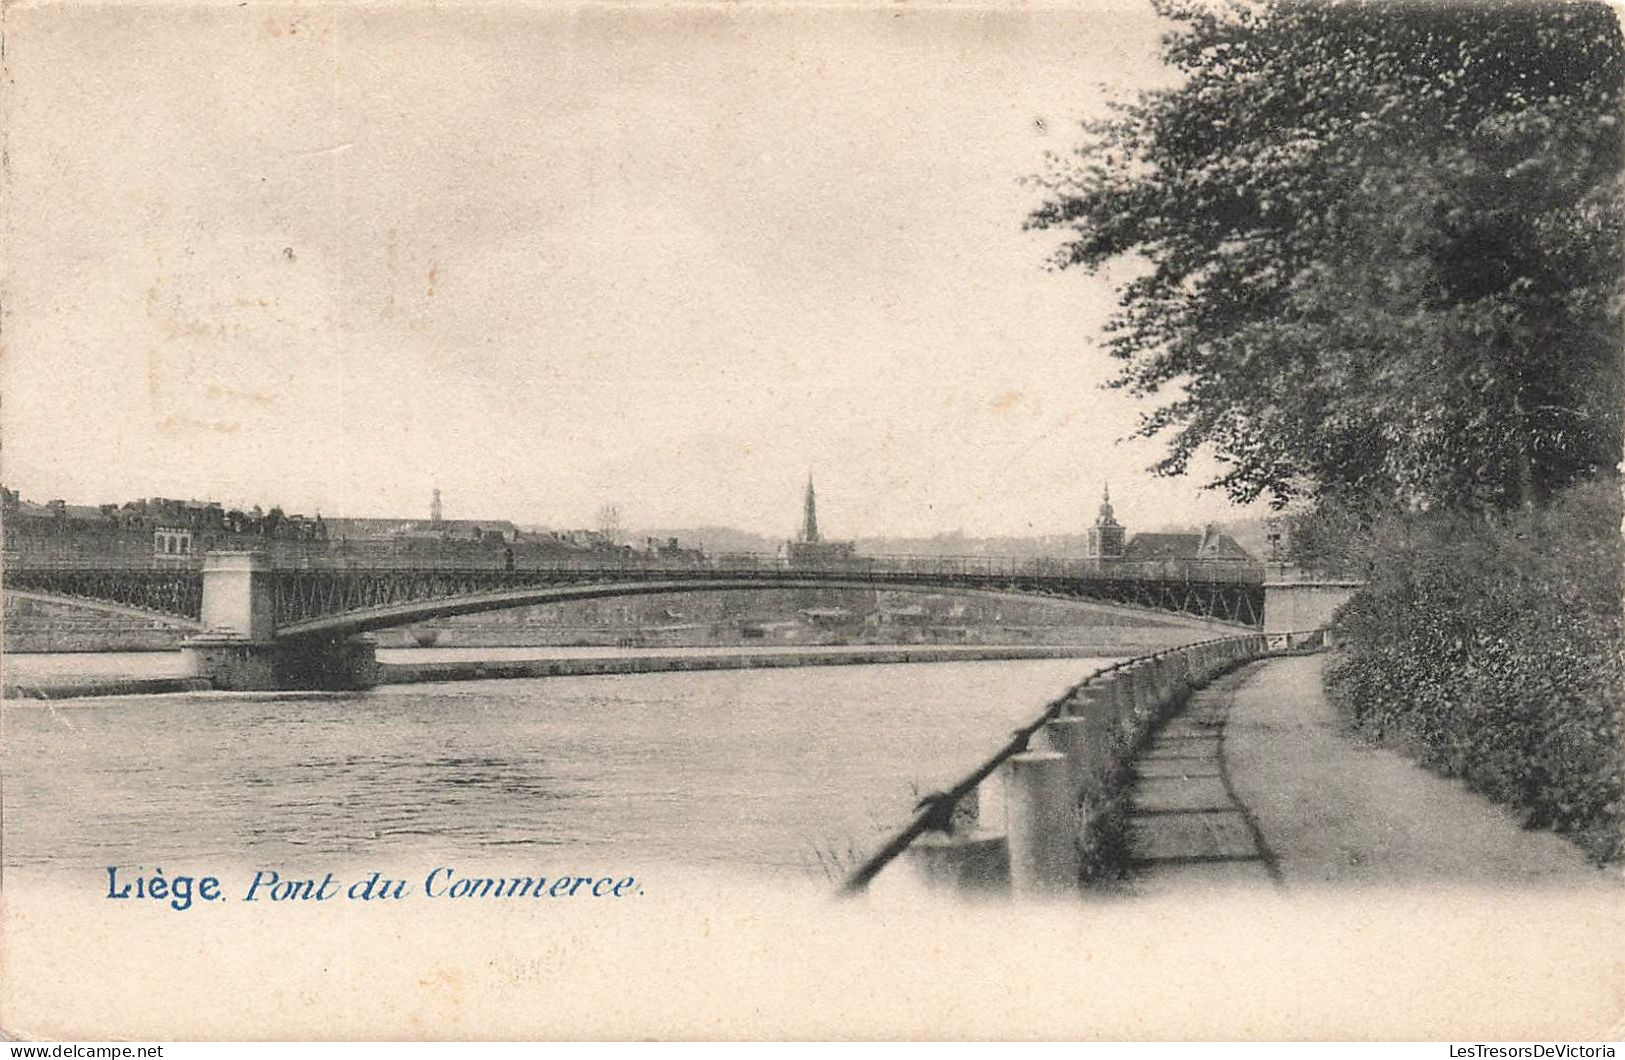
[(477, 670), (73, 685), (132, 686)]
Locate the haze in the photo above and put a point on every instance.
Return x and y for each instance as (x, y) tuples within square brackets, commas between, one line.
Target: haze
[(674, 260)]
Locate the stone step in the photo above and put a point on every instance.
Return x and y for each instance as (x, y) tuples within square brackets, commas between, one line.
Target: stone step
[(1176, 767), (1178, 837), (1181, 793), (1186, 829)]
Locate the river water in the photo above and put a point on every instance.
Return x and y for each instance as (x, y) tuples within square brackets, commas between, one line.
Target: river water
[(782, 772)]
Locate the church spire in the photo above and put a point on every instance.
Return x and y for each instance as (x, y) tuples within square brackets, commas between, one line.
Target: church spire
[(809, 521), (1104, 540), (1107, 516)]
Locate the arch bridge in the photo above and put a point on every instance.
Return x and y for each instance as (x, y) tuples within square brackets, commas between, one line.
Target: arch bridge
[(263, 626)]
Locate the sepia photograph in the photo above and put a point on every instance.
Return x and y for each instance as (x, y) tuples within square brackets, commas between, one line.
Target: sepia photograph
[(1094, 521)]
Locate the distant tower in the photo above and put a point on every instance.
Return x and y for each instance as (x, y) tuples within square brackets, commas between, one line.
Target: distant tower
[(1106, 536), (609, 523), (809, 547), (434, 507), (809, 521)]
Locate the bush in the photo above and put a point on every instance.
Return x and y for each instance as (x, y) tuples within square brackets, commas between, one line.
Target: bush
[(1491, 650)]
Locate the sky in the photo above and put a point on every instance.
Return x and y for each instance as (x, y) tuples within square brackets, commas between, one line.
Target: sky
[(674, 259)]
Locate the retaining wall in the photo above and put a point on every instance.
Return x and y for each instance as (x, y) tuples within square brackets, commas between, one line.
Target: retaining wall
[(1061, 780)]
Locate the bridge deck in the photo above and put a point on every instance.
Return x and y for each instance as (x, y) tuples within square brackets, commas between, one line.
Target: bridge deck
[(332, 600)]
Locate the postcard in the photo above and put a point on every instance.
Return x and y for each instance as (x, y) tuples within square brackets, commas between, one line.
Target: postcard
[(1091, 521)]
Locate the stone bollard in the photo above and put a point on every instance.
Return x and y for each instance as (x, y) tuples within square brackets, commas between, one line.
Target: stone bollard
[(1133, 675), (1123, 697), (1193, 671), (963, 859), (1147, 701), (1042, 826), (1126, 709), (1071, 736), (973, 863), (1097, 707), (1162, 671), (1133, 701), (967, 815)]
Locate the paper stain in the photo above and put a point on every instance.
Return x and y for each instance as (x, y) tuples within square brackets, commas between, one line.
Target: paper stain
[(391, 264), (317, 152), (172, 328), (152, 378), (447, 983), (217, 391), (178, 424), (1010, 400), (298, 25)]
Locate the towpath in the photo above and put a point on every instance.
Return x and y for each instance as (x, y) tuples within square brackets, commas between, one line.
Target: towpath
[(1254, 785)]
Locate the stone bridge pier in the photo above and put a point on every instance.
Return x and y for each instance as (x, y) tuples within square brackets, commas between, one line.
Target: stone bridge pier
[(1296, 600), (239, 650)]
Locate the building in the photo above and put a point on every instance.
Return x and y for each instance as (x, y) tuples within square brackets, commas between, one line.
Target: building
[(1209, 546), (670, 553), (913, 615), (827, 617), (1105, 538), (172, 541), (1108, 540), (481, 531), (810, 549)]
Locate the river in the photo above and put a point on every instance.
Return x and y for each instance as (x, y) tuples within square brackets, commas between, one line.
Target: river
[(778, 772)]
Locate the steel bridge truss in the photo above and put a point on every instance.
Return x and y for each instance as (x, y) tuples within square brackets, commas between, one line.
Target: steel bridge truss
[(174, 592), (305, 595)]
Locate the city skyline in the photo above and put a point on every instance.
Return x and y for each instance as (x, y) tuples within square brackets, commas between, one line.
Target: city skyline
[(435, 513), (684, 278)]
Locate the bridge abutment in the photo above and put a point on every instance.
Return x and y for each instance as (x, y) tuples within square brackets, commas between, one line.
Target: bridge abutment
[(345, 664), (238, 650), (232, 665), (235, 665), (1296, 600), (238, 598)]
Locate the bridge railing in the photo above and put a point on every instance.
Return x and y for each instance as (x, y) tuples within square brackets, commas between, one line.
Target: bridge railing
[(986, 567), (1087, 738), (379, 555), (64, 562)]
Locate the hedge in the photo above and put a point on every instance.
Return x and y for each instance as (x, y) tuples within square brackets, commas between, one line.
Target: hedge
[(1491, 650)]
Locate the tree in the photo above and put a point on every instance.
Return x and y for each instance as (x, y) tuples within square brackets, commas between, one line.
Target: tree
[(1381, 246)]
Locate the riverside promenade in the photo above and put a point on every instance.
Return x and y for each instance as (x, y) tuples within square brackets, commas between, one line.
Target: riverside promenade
[(1254, 785)]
